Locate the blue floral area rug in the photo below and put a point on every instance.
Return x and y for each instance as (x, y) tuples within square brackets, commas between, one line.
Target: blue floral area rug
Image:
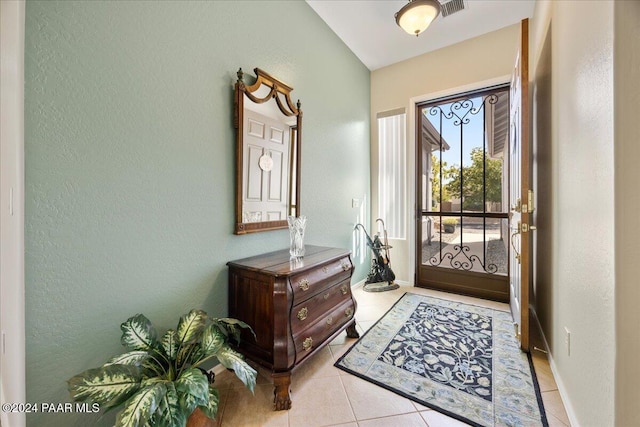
[(459, 359)]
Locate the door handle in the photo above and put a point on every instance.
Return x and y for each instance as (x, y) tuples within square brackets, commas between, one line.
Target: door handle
[(516, 231)]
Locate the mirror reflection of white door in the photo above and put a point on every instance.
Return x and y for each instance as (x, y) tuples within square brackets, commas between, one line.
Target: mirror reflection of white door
[(266, 161)]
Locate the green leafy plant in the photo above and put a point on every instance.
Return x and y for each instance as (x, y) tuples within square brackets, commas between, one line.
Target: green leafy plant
[(160, 382), (482, 181)]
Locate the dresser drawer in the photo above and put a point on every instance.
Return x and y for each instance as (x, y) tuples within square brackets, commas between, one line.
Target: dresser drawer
[(294, 308), (311, 282), (308, 312), (313, 336)]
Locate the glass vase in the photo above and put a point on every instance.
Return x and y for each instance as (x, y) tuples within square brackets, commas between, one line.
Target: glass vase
[(296, 235)]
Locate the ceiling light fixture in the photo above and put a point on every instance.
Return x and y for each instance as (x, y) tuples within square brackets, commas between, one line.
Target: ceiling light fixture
[(417, 15)]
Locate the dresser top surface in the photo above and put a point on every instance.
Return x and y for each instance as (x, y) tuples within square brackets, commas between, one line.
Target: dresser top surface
[(279, 263)]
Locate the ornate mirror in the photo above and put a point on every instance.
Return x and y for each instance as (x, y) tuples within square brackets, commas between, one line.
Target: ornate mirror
[(269, 134)]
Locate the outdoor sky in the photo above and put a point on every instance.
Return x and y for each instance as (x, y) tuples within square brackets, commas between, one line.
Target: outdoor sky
[(472, 131)]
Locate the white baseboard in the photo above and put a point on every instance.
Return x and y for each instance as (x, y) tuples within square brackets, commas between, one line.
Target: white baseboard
[(556, 376), (359, 284)]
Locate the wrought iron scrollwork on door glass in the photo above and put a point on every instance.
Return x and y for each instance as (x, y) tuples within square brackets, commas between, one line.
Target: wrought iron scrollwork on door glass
[(461, 111), (461, 259), (472, 244)]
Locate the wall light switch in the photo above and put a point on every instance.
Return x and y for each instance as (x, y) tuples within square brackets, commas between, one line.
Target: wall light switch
[(355, 203)]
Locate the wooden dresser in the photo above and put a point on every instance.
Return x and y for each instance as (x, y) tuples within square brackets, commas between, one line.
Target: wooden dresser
[(295, 307)]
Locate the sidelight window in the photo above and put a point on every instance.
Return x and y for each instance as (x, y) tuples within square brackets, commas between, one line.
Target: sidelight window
[(392, 187)]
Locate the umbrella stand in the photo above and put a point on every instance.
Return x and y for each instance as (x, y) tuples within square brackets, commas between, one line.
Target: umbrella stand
[(381, 277)]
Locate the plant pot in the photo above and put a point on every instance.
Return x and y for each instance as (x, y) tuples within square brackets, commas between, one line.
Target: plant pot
[(199, 419)]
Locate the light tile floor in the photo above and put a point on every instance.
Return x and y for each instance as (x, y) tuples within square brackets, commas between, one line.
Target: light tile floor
[(323, 395)]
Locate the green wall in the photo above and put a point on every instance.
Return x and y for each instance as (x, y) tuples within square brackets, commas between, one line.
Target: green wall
[(129, 164)]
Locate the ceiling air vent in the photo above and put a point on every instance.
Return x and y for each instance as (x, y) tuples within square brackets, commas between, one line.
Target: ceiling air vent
[(450, 7)]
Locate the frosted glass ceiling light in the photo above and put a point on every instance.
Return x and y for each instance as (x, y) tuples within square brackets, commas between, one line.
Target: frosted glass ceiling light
[(417, 15)]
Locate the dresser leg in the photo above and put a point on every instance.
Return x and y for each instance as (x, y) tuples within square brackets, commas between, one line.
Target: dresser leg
[(281, 392), (352, 332)]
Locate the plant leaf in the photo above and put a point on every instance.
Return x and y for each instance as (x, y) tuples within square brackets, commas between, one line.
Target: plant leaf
[(232, 321), (152, 367), (169, 343), (212, 340), (138, 333), (230, 326), (139, 409), (233, 360), (169, 413), (153, 380), (135, 358), (211, 408), (193, 389), (190, 325), (109, 385), (187, 354)]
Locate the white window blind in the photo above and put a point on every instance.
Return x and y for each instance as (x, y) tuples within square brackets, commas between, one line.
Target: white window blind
[(392, 172)]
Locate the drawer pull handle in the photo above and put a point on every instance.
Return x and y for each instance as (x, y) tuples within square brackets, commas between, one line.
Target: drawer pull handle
[(329, 321), (348, 312), (325, 270), (304, 284), (344, 289), (345, 266), (326, 296), (307, 343), (302, 314)]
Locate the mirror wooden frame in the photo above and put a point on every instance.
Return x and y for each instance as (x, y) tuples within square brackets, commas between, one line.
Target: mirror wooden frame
[(281, 93)]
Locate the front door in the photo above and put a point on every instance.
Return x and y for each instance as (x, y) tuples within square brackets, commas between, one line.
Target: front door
[(462, 189), (521, 195)]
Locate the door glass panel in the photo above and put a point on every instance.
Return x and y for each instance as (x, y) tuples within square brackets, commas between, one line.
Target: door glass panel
[(464, 196), (439, 235), (465, 243)]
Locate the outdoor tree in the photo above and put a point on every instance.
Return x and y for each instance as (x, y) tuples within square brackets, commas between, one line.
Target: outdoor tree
[(447, 173), (472, 181)]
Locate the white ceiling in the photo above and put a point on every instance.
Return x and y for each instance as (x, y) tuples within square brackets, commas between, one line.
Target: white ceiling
[(369, 29)]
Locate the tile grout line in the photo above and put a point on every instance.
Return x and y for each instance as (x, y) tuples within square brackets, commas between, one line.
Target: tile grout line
[(353, 412)]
